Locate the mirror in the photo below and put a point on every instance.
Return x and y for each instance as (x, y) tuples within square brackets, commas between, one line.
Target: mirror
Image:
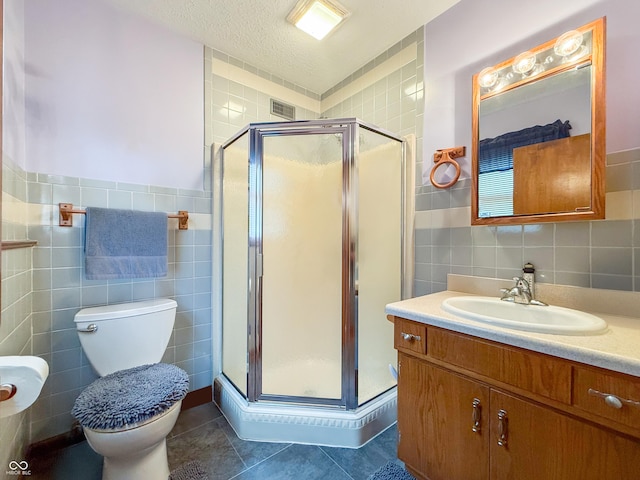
[(539, 133)]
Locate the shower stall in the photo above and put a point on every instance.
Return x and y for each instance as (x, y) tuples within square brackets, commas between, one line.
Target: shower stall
[(312, 250)]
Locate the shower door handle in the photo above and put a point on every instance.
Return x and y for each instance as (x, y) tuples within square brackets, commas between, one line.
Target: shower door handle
[(258, 265)]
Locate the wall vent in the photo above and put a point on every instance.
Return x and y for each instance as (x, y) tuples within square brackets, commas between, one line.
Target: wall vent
[(283, 110)]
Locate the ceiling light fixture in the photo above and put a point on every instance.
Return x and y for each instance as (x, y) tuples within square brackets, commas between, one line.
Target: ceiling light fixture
[(317, 17)]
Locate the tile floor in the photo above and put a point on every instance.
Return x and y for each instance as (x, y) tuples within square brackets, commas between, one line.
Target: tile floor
[(203, 434)]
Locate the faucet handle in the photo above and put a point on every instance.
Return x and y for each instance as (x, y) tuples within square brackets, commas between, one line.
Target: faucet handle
[(523, 284)]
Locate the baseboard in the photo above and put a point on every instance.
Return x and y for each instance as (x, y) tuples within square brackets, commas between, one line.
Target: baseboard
[(197, 398), (51, 444)]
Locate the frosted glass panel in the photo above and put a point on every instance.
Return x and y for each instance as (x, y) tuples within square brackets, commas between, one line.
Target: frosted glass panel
[(302, 269), (235, 224), (379, 258)]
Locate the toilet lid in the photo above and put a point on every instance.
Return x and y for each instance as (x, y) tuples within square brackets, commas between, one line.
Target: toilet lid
[(131, 396)]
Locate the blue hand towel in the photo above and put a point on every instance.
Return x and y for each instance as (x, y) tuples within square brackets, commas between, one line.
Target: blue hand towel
[(125, 244)]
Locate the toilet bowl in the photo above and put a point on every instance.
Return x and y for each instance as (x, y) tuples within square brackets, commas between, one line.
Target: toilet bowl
[(137, 452), (127, 414)]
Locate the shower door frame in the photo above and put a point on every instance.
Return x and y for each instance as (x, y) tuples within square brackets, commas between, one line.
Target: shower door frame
[(349, 128), (349, 300)]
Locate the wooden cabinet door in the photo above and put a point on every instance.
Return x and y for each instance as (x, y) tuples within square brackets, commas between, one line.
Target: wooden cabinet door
[(553, 176), (541, 444), (435, 420)]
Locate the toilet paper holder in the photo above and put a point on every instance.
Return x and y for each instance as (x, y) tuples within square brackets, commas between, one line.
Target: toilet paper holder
[(21, 380), (7, 390)]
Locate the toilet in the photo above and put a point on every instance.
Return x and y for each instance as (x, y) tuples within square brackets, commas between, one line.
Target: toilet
[(127, 413)]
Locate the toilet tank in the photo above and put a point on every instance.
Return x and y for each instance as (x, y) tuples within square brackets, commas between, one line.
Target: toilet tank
[(126, 335)]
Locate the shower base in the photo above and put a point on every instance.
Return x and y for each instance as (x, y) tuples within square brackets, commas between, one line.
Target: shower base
[(269, 422)]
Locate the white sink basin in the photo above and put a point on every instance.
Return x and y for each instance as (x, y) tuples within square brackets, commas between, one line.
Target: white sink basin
[(532, 318)]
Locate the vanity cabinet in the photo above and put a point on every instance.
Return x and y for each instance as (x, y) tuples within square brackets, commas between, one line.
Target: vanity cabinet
[(435, 421), (475, 409), (543, 443)]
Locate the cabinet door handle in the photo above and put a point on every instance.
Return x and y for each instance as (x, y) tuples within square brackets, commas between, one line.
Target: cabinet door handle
[(476, 416), (410, 337), (611, 400), (503, 427)]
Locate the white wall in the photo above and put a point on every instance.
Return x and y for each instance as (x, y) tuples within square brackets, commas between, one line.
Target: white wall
[(13, 104), (474, 34), (111, 96)]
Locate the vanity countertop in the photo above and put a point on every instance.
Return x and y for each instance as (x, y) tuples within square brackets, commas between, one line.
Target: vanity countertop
[(617, 349)]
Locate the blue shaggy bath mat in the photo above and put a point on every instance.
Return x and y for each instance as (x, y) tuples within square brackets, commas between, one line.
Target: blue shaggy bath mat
[(391, 471), (131, 396), (189, 471)]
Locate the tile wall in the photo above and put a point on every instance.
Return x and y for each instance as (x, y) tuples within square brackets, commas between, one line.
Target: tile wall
[(236, 94), (393, 100), (386, 92), (597, 254), (60, 289), (15, 323)]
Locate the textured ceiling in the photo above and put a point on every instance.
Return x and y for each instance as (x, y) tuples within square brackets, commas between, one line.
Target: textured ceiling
[(256, 31)]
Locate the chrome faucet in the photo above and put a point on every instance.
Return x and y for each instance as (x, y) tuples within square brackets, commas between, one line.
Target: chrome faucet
[(523, 291), (519, 293)]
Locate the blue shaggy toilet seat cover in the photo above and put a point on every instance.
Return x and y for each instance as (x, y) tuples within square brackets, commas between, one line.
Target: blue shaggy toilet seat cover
[(131, 396)]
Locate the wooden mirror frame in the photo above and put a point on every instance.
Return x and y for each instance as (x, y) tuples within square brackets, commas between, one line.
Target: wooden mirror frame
[(598, 132)]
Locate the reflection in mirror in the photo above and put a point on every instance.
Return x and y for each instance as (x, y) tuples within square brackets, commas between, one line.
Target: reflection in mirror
[(508, 160), (538, 146)]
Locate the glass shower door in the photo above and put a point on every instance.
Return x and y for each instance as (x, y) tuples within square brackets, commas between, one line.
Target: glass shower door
[(235, 283), (300, 322), (380, 180)]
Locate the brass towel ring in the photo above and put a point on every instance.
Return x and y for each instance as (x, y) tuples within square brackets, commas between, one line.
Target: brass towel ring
[(443, 157)]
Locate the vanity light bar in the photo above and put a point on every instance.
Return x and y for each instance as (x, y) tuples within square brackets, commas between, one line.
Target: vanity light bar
[(572, 49)]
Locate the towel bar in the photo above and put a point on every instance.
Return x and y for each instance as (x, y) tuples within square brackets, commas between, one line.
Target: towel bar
[(67, 210)]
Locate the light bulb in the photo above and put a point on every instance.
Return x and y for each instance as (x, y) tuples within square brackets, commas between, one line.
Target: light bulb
[(488, 77), (568, 43), (524, 63)]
